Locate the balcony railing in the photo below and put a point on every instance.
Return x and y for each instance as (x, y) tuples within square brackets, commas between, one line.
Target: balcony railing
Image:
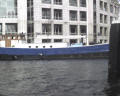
[(46, 17), (58, 18), (46, 33), (82, 5), (73, 19), (73, 4), (58, 33), (46, 1), (58, 3), (74, 33), (83, 19), (83, 34)]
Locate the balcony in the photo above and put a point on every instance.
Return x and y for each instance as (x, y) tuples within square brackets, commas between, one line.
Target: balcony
[(58, 18), (82, 19), (75, 33), (58, 33), (58, 3), (46, 33)]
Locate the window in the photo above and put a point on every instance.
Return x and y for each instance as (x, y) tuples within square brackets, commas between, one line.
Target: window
[(46, 13), (101, 18), (58, 29), (101, 40), (8, 8), (51, 46), (105, 31), (0, 28), (73, 41), (94, 4), (105, 19), (105, 41), (83, 29), (73, 2), (116, 10), (30, 32), (30, 24), (46, 1), (83, 16), (101, 31), (11, 28), (82, 3), (105, 6), (81, 40), (73, 15), (111, 19), (95, 17), (73, 30), (58, 2), (36, 46), (57, 14), (58, 40), (46, 40), (101, 5), (111, 8), (30, 10), (29, 46), (46, 29)]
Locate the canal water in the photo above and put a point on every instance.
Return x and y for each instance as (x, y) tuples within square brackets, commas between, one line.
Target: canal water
[(55, 78)]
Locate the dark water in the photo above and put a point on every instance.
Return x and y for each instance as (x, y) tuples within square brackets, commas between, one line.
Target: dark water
[(55, 78)]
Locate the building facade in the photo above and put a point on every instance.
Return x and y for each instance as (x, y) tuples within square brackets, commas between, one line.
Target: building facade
[(55, 21)]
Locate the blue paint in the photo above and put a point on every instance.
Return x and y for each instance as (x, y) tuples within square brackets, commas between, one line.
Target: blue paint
[(55, 51)]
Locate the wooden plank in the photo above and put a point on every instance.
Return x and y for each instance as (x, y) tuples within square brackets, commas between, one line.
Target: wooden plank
[(7, 43)]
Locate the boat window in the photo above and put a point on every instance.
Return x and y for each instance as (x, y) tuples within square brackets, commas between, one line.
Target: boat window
[(43, 46), (58, 40), (46, 40), (29, 46), (51, 46), (36, 46)]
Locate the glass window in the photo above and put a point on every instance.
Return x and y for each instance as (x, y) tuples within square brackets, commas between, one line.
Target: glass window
[(73, 30), (82, 3), (0, 28), (105, 19), (46, 1), (111, 19), (73, 15), (11, 28), (111, 8), (101, 5), (46, 13), (58, 2), (58, 40), (105, 6), (46, 40), (58, 29), (8, 8), (101, 31), (83, 29), (73, 2), (57, 14), (105, 31), (46, 29), (101, 18), (83, 16), (73, 41)]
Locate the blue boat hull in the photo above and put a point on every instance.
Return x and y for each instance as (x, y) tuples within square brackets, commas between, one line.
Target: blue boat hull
[(73, 52)]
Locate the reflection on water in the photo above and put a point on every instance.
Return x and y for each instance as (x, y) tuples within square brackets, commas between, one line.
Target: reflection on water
[(56, 78), (113, 89)]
